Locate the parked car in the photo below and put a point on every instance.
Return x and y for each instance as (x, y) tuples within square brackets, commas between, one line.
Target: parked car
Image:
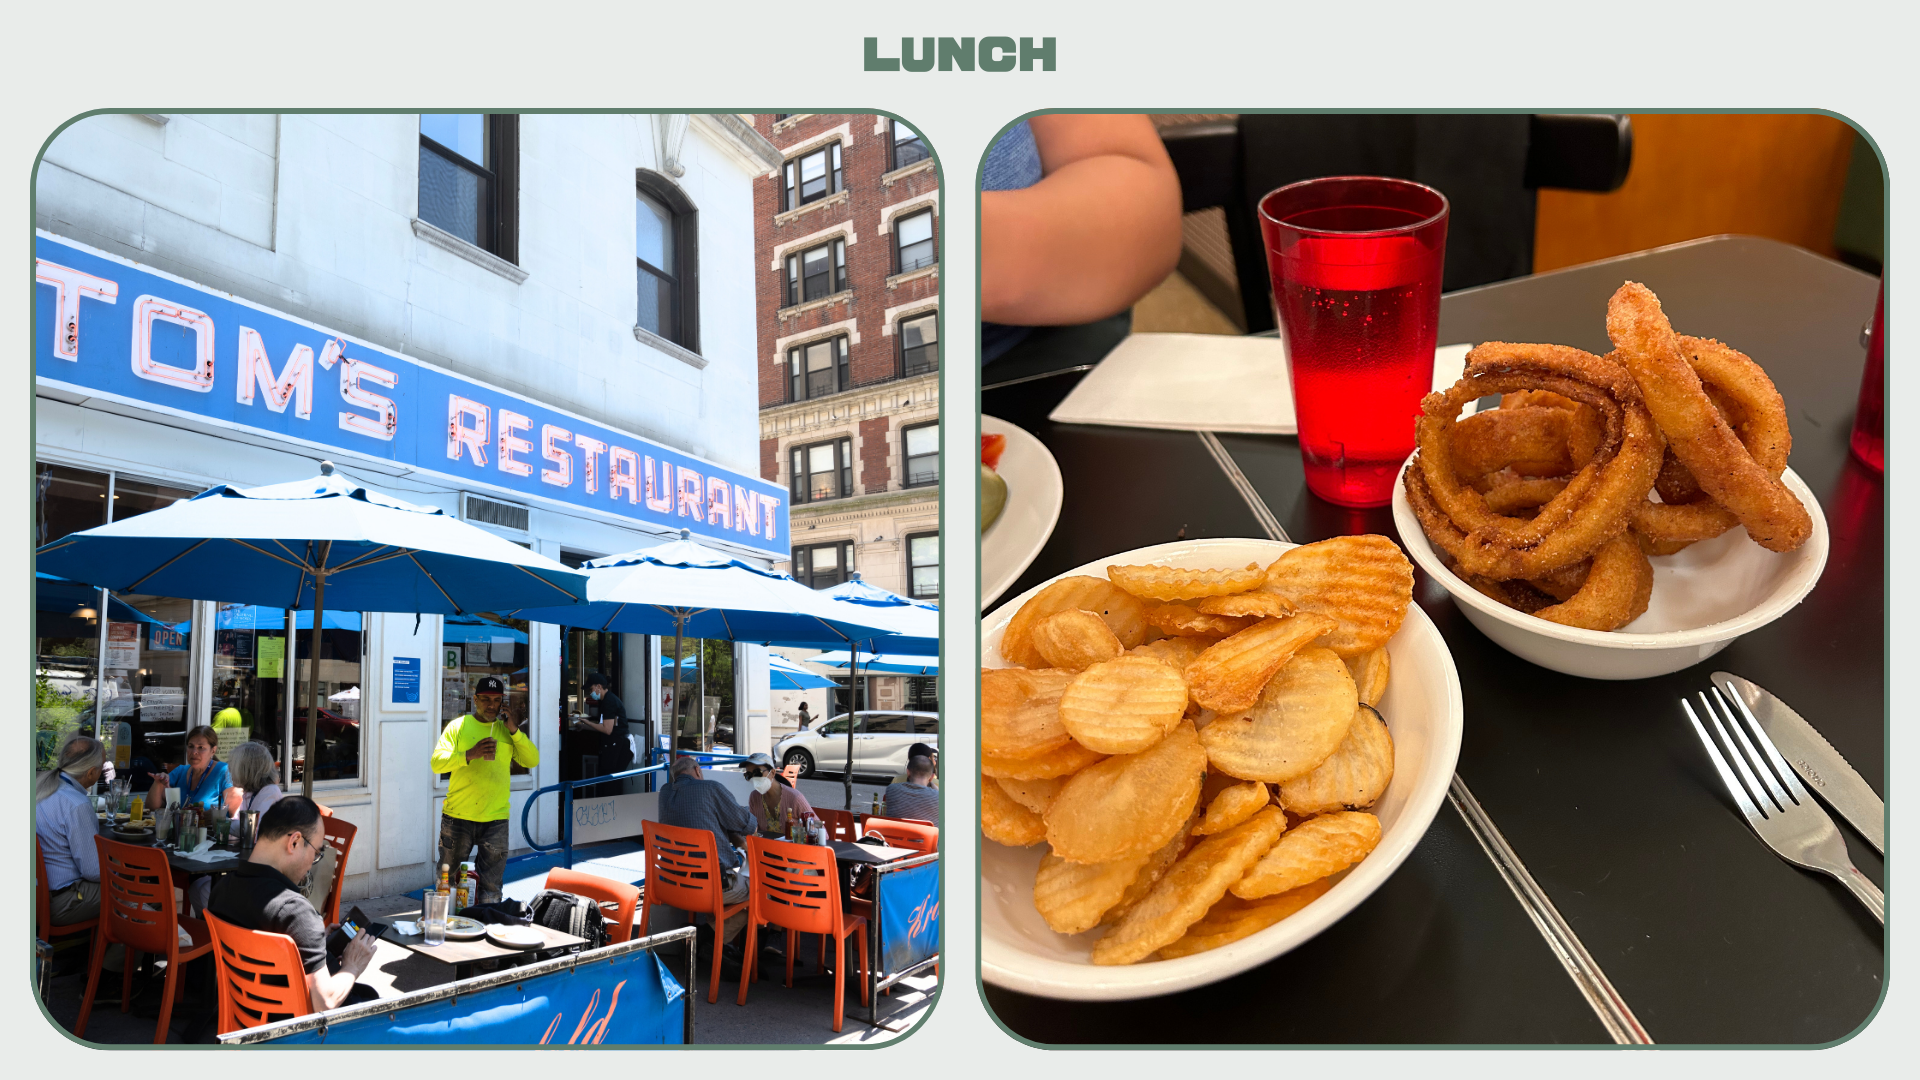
[(880, 743)]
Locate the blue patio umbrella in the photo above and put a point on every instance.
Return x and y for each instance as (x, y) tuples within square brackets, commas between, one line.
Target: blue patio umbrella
[(784, 674), (465, 628), (687, 589), (57, 594), (872, 663), (298, 545)]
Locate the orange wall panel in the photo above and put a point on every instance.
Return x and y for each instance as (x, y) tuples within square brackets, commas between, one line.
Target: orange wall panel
[(1772, 175)]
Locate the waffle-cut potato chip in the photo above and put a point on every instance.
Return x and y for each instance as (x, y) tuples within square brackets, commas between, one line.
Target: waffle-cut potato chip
[(1065, 761), (1128, 805), (1320, 846), (1178, 651), (1073, 897), (1259, 605), (1215, 783), (1369, 671), (1123, 706), (1154, 869), (1020, 711), (1174, 583), (1004, 821), (1297, 722), (1355, 776), (1196, 882), (1229, 676), (1363, 582), (1233, 918), (1233, 806), (1075, 640), (1035, 795), (1124, 614), (1179, 620)]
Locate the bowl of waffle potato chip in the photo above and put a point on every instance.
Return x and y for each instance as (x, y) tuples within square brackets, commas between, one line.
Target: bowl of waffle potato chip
[(1198, 755)]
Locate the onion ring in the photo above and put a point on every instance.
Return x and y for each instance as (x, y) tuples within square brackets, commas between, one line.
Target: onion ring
[(1701, 438), (1597, 503), (1531, 441), (1615, 592)]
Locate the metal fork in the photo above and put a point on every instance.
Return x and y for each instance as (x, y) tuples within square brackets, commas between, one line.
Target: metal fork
[(1774, 802)]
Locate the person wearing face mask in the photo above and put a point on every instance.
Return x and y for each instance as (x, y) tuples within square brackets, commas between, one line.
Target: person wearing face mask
[(775, 800), (607, 715)]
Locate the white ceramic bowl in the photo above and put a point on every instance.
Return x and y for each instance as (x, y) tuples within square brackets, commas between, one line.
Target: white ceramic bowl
[(1423, 709), (1703, 598)]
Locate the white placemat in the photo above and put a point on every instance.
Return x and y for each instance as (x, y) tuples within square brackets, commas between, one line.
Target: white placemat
[(1203, 382)]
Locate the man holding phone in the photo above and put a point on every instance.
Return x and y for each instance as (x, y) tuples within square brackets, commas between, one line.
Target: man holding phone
[(478, 750)]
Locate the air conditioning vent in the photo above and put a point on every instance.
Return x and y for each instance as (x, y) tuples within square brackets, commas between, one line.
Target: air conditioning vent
[(498, 514)]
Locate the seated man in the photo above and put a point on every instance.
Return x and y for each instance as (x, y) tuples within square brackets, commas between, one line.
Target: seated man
[(690, 801), (916, 797), (260, 895), (932, 754), (64, 821), (775, 801)]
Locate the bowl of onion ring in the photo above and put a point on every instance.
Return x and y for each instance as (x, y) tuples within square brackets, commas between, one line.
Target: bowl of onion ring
[(1704, 597)]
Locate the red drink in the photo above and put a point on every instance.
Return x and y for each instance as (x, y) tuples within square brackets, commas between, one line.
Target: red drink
[(1355, 263), (1870, 420)]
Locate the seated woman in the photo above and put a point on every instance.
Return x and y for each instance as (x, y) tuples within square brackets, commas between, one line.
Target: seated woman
[(251, 768), (775, 800), (203, 780)]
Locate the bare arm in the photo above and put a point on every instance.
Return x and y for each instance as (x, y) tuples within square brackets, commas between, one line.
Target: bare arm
[(1099, 230), (326, 991)]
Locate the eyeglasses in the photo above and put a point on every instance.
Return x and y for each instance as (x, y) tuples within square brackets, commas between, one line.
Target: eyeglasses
[(318, 849)]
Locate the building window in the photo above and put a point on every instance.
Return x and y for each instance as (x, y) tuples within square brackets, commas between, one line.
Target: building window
[(469, 185), (921, 444), (665, 251), (908, 146), (919, 344), (817, 272), (923, 566), (819, 368), (913, 237), (822, 566), (811, 177), (821, 471)]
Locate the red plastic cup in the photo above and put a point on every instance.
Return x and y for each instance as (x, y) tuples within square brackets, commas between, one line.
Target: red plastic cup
[(1355, 263), (1870, 419)]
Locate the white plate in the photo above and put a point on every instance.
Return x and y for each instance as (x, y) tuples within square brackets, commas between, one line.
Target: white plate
[(1423, 709), (462, 928), (1034, 491), (1703, 599), (515, 937)]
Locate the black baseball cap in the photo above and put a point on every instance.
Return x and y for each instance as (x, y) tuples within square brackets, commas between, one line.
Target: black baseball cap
[(489, 685)]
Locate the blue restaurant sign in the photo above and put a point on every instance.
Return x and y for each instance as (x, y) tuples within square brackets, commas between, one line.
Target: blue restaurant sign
[(110, 328)]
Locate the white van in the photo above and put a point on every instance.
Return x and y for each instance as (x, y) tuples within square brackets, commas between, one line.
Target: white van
[(880, 743)]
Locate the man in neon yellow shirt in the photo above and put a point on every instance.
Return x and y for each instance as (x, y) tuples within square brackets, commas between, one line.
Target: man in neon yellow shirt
[(475, 813)]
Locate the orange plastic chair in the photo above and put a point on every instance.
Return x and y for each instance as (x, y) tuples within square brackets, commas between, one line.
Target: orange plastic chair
[(607, 892), (339, 837), (683, 871), (797, 887), (137, 911), (920, 836), (840, 824), (43, 904), (259, 976), (792, 773)]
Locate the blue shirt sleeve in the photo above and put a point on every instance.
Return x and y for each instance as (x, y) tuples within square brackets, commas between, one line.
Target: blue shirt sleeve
[(82, 828)]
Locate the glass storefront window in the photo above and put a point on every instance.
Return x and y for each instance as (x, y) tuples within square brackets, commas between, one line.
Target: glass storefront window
[(149, 664), (583, 653), (67, 616), (342, 644), (473, 647)]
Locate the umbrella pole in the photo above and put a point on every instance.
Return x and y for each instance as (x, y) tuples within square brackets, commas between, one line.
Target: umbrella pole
[(673, 721), (853, 717), (289, 687), (313, 673)]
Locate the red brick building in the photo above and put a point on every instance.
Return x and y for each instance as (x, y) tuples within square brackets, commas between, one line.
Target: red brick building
[(846, 234)]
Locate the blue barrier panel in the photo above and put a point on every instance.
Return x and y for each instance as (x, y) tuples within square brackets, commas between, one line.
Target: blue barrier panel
[(623, 1000), (909, 908)]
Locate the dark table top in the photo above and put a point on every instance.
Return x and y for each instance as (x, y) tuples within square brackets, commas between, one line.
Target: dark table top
[(1600, 787)]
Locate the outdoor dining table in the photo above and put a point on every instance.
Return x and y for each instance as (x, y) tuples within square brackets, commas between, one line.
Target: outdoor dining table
[(463, 955), (1600, 789)]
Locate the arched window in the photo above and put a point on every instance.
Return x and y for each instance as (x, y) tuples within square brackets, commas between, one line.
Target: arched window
[(666, 255)]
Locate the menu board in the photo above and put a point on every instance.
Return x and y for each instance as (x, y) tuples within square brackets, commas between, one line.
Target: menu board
[(123, 645), (271, 658)]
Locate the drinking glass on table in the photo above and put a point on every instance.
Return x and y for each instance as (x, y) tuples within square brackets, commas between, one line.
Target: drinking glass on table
[(1355, 263), (434, 917)]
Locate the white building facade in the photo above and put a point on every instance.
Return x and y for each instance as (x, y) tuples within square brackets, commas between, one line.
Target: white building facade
[(542, 324)]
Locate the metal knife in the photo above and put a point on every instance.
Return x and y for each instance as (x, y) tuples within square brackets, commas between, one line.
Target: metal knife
[(1820, 766)]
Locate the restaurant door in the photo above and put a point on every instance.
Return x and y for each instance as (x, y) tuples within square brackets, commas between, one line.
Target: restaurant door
[(706, 682), (584, 653)]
